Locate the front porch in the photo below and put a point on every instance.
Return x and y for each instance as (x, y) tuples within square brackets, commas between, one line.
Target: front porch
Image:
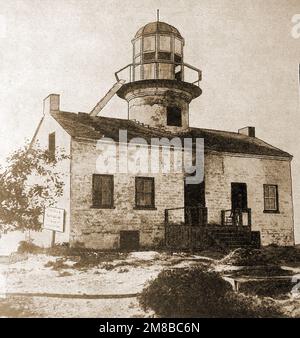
[(188, 228)]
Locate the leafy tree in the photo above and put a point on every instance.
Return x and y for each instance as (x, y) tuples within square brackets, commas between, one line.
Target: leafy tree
[(30, 182)]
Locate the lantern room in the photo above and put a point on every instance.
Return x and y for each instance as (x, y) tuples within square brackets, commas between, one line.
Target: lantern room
[(159, 85), (158, 52)]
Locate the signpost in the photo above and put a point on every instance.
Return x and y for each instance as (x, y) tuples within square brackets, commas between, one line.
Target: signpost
[(54, 220)]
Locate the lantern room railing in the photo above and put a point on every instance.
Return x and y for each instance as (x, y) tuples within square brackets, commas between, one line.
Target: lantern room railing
[(129, 77)]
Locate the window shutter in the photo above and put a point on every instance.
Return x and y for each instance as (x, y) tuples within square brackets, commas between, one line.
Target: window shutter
[(144, 192), (103, 191)]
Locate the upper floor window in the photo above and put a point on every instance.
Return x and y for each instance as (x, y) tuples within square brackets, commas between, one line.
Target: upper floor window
[(174, 116), (271, 198), (144, 192), (51, 144), (103, 191)]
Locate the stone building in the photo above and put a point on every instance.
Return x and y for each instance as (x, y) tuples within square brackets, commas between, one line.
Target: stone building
[(245, 192)]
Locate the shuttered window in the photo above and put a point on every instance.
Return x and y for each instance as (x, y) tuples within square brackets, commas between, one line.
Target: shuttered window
[(103, 191), (144, 192), (271, 198)]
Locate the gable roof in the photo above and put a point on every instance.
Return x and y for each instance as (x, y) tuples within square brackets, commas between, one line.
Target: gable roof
[(83, 125)]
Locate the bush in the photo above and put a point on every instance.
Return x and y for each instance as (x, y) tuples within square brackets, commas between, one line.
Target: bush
[(195, 292), (28, 247), (62, 249), (247, 257)]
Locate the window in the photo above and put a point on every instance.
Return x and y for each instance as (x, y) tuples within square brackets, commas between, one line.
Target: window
[(271, 198), (178, 73), (137, 73), (165, 71), (137, 59), (165, 43), (164, 56), (177, 58), (174, 116), (178, 47), (103, 191), (51, 144), (149, 71), (144, 192), (149, 56), (149, 43), (137, 47)]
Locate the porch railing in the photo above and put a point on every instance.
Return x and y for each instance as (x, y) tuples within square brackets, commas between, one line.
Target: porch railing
[(236, 217), (196, 216)]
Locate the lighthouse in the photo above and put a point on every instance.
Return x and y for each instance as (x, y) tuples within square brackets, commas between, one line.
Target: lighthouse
[(161, 85)]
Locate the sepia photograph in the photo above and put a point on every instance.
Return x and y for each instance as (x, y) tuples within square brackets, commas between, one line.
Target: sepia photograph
[(149, 161)]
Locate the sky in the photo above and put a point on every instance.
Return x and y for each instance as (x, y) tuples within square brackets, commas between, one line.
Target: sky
[(245, 49)]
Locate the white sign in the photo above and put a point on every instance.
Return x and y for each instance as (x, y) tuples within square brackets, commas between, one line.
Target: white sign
[(54, 219)]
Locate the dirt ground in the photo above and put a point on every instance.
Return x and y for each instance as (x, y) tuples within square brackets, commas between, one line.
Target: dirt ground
[(48, 286), (40, 285)]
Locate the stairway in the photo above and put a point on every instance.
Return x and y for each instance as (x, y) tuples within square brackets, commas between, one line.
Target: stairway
[(234, 239)]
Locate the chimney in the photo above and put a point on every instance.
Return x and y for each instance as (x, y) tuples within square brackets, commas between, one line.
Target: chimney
[(248, 131), (51, 103)]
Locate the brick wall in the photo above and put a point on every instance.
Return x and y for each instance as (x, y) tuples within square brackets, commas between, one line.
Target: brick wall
[(100, 228), (222, 170)]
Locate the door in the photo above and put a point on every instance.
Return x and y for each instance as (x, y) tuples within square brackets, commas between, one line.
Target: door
[(194, 197), (239, 199)]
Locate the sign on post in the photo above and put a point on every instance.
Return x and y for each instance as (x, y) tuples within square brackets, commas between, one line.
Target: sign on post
[(54, 219)]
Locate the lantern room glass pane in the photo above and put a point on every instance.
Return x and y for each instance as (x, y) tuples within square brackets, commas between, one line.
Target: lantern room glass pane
[(165, 71), (137, 73), (149, 71), (150, 56), (165, 43), (164, 56), (137, 47), (137, 59), (149, 43), (178, 44)]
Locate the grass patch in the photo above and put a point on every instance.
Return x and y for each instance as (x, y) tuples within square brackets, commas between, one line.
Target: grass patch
[(197, 292)]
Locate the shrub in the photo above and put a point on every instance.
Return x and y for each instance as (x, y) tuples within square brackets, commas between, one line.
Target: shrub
[(196, 292), (28, 247), (247, 257), (62, 249)]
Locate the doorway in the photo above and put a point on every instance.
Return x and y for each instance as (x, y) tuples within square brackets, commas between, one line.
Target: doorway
[(239, 198), (194, 197)]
